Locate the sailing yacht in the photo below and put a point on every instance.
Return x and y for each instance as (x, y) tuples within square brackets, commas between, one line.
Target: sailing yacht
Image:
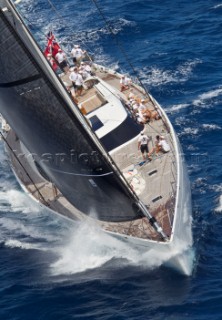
[(78, 156)]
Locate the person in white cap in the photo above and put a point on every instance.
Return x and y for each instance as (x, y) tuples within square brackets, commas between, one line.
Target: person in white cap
[(143, 145), (73, 76), (77, 81), (62, 60)]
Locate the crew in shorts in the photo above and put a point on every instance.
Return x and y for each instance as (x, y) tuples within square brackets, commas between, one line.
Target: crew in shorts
[(143, 145)]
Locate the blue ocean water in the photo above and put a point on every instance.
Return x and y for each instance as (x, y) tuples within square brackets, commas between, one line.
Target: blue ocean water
[(50, 269)]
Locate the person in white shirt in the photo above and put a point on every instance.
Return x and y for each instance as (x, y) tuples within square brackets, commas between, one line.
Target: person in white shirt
[(85, 70), (125, 83), (77, 81), (79, 84), (73, 76), (139, 119), (160, 145), (143, 112), (88, 68), (164, 146), (62, 60), (141, 107), (77, 54), (143, 145)]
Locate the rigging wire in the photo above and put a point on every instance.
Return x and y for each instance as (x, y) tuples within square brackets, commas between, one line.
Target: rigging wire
[(62, 19), (54, 9), (114, 37), (109, 28), (123, 51), (117, 42), (119, 45)]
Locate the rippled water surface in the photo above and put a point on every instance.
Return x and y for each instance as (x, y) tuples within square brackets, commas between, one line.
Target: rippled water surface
[(51, 269)]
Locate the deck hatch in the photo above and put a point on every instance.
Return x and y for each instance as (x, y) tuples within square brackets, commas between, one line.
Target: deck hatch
[(96, 123), (157, 198), (152, 172)]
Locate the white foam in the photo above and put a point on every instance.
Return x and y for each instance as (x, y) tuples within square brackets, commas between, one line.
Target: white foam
[(19, 228), (87, 247), (156, 77), (26, 213), (207, 96), (121, 23), (177, 107), (19, 201), (216, 187), (219, 207), (211, 127), (90, 248), (217, 6), (190, 131), (192, 147), (12, 243)]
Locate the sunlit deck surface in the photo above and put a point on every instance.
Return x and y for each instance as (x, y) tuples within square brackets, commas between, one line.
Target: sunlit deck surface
[(153, 181)]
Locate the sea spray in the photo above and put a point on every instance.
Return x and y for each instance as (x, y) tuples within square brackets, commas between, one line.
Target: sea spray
[(82, 246), (12, 243), (18, 201), (88, 247)]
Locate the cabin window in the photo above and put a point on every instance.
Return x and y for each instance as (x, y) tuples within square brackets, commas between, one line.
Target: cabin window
[(96, 123)]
